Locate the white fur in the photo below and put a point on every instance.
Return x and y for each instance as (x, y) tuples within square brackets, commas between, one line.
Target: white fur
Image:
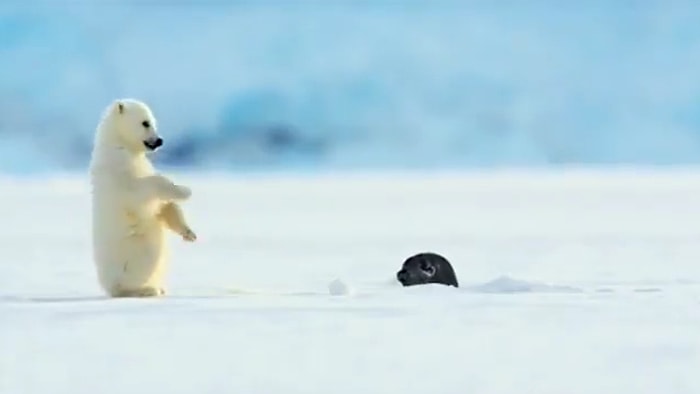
[(132, 204)]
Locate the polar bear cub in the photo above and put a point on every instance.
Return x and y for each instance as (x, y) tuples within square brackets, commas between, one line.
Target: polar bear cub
[(132, 204)]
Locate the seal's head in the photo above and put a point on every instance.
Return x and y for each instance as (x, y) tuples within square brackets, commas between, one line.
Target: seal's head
[(424, 268)]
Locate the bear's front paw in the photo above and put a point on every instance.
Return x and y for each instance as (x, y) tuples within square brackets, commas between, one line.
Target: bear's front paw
[(183, 192), (189, 235)]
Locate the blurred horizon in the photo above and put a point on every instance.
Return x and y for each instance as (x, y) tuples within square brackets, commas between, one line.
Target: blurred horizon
[(356, 85)]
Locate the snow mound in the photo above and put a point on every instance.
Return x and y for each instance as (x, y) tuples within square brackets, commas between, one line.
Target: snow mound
[(506, 284), (337, 288)]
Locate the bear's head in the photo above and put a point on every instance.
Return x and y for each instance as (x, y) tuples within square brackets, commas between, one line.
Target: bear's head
[(131, 124)]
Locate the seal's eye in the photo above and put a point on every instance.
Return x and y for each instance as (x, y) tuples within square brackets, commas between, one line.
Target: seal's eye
[(427, 268), (146, 124)]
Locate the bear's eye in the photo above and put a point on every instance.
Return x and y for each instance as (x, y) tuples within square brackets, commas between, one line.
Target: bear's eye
[(146, 124)]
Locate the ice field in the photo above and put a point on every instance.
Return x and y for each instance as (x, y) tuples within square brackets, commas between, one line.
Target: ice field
[(571, 282)]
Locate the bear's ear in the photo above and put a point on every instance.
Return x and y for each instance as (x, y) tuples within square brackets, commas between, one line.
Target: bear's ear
[(120, 107)]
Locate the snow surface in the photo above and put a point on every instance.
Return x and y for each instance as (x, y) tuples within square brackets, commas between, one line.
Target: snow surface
[(572, 282)]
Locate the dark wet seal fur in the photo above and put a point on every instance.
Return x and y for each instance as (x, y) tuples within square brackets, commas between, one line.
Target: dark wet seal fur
[(424, 268)]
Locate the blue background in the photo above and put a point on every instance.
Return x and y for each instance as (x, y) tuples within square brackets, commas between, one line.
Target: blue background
[(356, 85)]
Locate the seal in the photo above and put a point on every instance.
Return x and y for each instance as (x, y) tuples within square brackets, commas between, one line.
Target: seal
[(425, 268)]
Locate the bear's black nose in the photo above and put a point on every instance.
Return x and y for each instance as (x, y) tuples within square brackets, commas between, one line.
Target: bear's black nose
[(153, 144)]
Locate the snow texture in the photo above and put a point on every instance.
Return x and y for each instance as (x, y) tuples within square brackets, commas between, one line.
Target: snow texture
[(575, 282)]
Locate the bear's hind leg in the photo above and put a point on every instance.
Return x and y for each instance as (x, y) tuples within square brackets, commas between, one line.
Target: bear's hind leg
[(137, 293)]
